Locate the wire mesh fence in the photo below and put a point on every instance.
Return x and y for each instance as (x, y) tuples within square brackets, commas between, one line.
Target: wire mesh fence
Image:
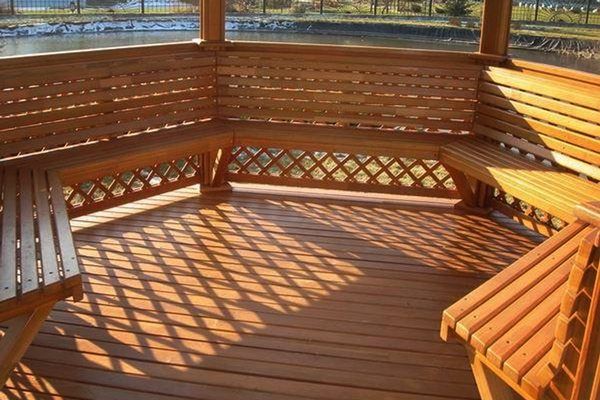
[(544, 11)]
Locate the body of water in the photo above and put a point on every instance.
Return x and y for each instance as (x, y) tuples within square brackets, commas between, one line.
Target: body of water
[(52, 43)]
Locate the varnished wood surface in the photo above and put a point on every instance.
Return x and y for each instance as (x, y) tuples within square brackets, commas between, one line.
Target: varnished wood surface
[(38, 263), (265, 295)]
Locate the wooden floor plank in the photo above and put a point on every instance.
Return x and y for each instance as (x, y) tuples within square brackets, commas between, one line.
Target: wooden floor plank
[(267, 295)]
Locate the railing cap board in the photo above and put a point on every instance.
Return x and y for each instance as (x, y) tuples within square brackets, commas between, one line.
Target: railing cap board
[(589, 212), (349, 50), (556, 72), (94, 55)]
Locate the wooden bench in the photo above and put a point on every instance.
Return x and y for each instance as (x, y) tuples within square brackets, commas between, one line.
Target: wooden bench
[(533, 328), (533, 138), (38, 263), (545, 187), (97, 160), (37, 255), (339, 139)]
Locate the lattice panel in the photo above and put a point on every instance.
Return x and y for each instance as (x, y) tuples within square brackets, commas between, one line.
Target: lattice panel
[(124, 186), (530, 212), (347, 169)]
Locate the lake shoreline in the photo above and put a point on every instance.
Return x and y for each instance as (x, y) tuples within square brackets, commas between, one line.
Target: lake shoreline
[(326, 26)]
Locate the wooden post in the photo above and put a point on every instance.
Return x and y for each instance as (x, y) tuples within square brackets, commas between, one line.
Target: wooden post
[(495, 27), (212, 21)]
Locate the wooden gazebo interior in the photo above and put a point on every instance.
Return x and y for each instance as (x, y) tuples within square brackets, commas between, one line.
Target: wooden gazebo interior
[(243, 220)]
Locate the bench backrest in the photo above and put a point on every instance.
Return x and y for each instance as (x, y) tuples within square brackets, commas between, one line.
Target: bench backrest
[(57, 100), (408, 90), (575, 355), (548, 113)]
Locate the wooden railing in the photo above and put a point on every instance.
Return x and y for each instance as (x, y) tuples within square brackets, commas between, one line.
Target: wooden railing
[(394, 91), (63, 100), (378, 88)]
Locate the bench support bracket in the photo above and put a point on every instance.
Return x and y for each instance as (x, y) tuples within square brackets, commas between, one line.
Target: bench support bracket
[(217, 168), (17, 338), (490, 386)]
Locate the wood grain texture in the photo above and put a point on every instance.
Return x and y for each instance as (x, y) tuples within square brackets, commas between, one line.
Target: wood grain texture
[(63, 100), (36, 248), (265, 294)]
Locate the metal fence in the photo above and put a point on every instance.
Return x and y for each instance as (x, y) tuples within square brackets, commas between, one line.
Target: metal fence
[(545, 11)]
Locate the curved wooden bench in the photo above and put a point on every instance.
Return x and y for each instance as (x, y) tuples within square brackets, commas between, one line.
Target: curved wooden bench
[(339, 139), (38, 263), (534, 326), (547, 188)]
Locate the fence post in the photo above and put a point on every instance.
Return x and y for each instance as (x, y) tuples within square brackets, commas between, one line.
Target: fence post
[(12, 7), (537, 10), (375, 7), (321, 7), (587, 12), (143, 5), (78, 6), (264, 6), (430, 8)]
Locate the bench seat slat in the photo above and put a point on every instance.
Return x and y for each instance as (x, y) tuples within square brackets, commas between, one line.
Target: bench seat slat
[(528, 303), (63, 228), (487, 290), (514, 187), (8, 256), (548, 189), (520, 331), (532, 351), (543, 271), (29, 270), (503, 162), (46, 235)]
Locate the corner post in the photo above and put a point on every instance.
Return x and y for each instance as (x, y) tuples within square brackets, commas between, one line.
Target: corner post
[(495, 27), (212, 21)]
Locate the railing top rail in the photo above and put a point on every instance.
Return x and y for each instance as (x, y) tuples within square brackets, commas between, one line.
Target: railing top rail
[(551, 70), (328, 49), (91, 55), (589, 212)]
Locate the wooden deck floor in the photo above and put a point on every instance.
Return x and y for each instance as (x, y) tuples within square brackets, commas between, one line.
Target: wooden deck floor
[(251, 296)]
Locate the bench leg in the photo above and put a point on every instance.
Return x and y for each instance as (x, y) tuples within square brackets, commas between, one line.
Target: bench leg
[(219, 165), (490, 386), (463, 186), (17, 338)]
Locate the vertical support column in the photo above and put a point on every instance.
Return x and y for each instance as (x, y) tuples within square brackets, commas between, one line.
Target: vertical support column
[(430, 8), (587, 12), (321, 7), (264, 6), (495, 27), (143, 6), (212, 21), (537, 10), (12, 7)]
